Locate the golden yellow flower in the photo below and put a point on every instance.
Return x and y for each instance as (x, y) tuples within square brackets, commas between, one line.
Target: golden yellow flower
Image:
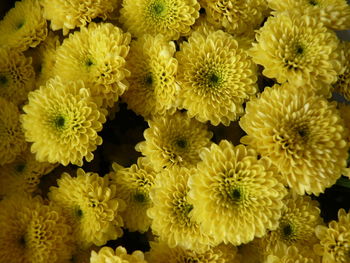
[(232, 185), (174, 140), (300, 216), (62, 121), (334, 243), (96, 55), (23, 26), (16, 75), (32, 231), (160, 252), (92, 205), (23, 174), (334, 14), (298, 49), (291, 255), (172, 18), (343, 83), (120, 255), (153, 88), (134, 184), (69, 14), (43, 58), (216, 77), (301, 133), (171, 211), (236, 17), (12, 140)]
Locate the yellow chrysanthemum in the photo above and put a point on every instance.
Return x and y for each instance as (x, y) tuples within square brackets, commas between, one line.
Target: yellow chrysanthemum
[(301, 133), (334, 243), (171, 211), (43, 57), (291, 255), (236, 17), (216, 77), (62, 121), (153, 88), (96, 55), (174, 140), (22, 175), (32, 231), (300, 216), (69, 14), (133, 184), (92, 205), (120, 255), (334, 14), (12, 140), (160, 252), (172, 18), (297, 49), (232, 185), (23, 26), (343, 83), (16, 76)]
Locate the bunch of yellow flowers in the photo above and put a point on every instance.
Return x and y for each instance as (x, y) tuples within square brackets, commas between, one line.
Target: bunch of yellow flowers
[(210, 128)]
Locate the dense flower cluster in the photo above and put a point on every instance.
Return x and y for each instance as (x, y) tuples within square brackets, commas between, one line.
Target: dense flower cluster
[(180, 131)]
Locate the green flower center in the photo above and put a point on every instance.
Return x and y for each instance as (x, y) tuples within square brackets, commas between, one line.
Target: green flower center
[(181, 143), (157, 8), (89, 62), (287, 230), (19, 25), (149, 80), (22, 241), (78, 212), (186, 208), (20, 167), (3, 80), (299, 49), (59, 122), (313, 2), (140, 197), (236, 195)]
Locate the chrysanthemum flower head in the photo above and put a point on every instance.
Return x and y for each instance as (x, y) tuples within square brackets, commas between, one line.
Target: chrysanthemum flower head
[(23, 174), (43, 58), (301, 133), (344, 110), (62, 121), (291, 255), (216, 77), (16, 75), (96, 54), (120, 255), (334, 14), (174, 140), (171, 211), (232, 185), (297, 49), (12, 140), (343, 83), (69, 14), (92, 205), (300, 216), (23, 26), (32, 231), (134, 184), (160, 252), (236, 17), (334, 243), (172, 18), (153, 88)]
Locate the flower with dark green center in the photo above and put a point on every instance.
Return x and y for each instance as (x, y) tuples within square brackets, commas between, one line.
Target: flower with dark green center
[(216, 77), (62, 121), (171, 211), (174, 140), (172, 18), (232, 185), (134, 184)]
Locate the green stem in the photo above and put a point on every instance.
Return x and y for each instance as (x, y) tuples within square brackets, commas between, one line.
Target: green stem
[(344, 182)]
